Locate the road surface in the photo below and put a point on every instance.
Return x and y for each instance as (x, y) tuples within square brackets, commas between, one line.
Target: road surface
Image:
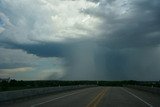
[(92, 97)]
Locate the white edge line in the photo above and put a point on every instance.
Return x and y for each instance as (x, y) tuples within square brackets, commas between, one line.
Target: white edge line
[(137, 97), (34, 105)]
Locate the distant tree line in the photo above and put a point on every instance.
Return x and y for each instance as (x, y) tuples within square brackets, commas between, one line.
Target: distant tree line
[(20, 84)]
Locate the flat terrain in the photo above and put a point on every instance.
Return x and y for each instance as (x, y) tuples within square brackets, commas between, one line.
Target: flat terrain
[(93, 97)]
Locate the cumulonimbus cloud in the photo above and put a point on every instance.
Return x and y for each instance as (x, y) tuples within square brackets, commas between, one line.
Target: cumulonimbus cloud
[(97, 38)]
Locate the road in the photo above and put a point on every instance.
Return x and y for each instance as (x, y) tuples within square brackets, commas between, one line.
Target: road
[(92, 97)]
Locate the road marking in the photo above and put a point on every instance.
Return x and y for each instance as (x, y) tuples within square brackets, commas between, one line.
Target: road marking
[(137, 97), (97, 99), (34, 105)]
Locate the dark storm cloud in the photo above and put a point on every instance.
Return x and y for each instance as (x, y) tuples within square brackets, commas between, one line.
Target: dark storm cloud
[(138, 27), (130, 29), (127, 46), (46, 50), (43, 49)]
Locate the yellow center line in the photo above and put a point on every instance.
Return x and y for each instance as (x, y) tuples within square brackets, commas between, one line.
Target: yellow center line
[(97, 99)]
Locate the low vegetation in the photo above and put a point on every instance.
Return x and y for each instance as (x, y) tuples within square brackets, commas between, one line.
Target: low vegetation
[(20, 84)]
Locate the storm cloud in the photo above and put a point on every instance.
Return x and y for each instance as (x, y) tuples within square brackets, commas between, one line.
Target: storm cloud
[(97, 39)]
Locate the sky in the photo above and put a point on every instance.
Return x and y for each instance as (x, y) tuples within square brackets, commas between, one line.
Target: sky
[(80, 39)]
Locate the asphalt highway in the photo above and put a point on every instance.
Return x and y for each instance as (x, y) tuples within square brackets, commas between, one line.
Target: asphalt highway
[(92, 97)]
